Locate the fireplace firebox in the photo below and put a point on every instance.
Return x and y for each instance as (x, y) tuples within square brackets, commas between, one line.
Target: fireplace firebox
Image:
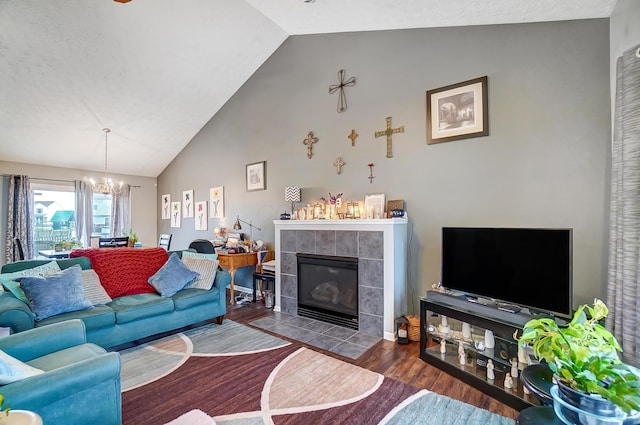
[(328, 289)]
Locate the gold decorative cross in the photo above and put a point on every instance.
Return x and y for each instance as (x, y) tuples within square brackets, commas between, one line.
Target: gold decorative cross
[(353, 136), (308, 142), (342, 98), (338, 164), (388, 132)]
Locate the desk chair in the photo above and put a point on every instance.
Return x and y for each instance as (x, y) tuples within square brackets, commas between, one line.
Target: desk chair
[(119, 242), (202, 246), (165, 241)]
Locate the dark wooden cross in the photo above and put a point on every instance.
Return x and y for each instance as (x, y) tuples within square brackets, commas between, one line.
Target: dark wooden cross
[(342, 97), (338, 164), (308, 142), (353, 136), (388, 132)]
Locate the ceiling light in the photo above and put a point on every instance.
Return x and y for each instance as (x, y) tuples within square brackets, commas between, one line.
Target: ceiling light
[(106, 186)]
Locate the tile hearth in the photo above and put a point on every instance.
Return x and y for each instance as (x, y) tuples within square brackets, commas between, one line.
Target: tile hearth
[(337, 339)]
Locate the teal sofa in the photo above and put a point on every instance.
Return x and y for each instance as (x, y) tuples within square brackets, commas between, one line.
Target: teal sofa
[(126, 318), (81, 381)]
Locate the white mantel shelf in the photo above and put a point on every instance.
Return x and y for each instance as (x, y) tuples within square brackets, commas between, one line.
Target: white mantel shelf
[(394, 251)]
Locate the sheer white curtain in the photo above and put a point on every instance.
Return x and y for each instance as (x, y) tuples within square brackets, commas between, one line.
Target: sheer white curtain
[(623, 288), (20, 218), (121, 212), (84, 211)]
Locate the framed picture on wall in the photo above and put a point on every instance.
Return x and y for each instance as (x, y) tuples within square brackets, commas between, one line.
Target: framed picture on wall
[(256, 176), (458, 111)]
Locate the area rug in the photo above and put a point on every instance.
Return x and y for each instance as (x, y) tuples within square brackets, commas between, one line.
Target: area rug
[(231, 374)]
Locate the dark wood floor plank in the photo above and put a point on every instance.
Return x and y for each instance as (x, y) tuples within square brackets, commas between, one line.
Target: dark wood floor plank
[(396, 361)]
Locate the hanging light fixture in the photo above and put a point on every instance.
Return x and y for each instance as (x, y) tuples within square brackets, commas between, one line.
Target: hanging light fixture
[(107, 185)]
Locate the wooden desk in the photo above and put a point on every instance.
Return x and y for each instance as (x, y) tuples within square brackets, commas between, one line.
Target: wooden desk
[(235, 261)]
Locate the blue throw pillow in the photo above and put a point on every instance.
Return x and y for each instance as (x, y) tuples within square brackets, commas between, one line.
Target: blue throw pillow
[(55, 294), (172, 277)]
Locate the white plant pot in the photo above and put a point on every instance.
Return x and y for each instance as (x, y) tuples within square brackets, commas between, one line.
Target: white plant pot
[(21, 417)]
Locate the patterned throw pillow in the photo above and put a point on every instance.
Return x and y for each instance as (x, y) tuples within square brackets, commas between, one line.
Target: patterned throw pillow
[(55, 294), (93, 289), (172, 277), (189, 254), (207, 270), (10, 283)]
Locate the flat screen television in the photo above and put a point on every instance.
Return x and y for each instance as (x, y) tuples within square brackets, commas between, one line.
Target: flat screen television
[(527, 267)]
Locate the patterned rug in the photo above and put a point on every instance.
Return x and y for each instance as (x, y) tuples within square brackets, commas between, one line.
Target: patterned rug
[(236, 375)]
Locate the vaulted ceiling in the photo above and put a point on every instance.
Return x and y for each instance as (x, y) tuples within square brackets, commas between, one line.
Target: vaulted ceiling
[(156, 71)]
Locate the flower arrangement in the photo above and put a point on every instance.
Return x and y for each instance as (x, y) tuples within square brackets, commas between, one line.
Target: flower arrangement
[(332, 199)]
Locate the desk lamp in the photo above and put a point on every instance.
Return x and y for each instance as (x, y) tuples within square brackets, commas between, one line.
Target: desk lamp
[(292, 194), (238, 226)]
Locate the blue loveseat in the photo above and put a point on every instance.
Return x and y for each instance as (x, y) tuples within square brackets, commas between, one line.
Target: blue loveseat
[(81, 381), (126, 318)]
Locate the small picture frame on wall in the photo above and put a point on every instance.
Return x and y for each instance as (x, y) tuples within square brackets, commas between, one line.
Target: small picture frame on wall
[(458, 111), (256, 175)]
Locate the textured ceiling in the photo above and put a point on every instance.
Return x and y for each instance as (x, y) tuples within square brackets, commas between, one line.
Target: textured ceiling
[(156, 71)]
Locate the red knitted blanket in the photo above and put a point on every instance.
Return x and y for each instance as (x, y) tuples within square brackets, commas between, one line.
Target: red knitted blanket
[(124, 271)]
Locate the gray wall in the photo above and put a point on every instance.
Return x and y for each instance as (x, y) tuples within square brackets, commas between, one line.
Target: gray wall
[(143, 219), (544, 163)]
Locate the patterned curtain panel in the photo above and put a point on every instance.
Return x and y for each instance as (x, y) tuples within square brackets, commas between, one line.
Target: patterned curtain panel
[(121, 212), (20, 218), (624, 229), (84, 211)]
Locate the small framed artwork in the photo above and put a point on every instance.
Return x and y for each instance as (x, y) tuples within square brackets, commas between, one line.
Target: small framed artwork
[(458, 111), (257, 176), (374, 206), (166, 206), (216, 199), (187, 204), (176, 211), (201, 215)]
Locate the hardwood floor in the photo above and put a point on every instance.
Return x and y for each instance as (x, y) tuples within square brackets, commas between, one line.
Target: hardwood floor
[(396, 361)]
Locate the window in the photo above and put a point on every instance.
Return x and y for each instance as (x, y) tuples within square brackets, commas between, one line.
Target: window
[(55, 215), (101, 215), (55, 219)]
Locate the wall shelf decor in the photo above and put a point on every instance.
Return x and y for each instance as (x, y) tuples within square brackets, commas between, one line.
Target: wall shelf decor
[(389, 132), (458, 111)]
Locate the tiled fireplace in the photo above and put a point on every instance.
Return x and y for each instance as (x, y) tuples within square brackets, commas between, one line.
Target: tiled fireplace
[(380, 247)]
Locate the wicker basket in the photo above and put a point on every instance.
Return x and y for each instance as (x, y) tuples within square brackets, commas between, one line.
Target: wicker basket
[(414, 327)]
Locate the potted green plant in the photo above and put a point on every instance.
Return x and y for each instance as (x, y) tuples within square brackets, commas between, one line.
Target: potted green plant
[(133, 237), (584, 357), (17, 417)]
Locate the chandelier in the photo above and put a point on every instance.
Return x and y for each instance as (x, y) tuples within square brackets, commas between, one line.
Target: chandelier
[(106, 186)]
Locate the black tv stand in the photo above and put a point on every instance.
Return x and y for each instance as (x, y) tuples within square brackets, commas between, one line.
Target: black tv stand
[(474, 372)]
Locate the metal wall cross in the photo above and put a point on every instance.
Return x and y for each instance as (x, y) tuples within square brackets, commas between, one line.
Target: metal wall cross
[(338, 164), (342, 97), (308, 142), (388, 132)]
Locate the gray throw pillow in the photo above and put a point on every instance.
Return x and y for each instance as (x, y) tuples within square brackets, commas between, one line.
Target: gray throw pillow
[(93, 289), (58, 293), (207, 270), (172, 277)]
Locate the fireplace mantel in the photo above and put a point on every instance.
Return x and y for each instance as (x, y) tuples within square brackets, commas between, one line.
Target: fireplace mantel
[(392, 255)]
